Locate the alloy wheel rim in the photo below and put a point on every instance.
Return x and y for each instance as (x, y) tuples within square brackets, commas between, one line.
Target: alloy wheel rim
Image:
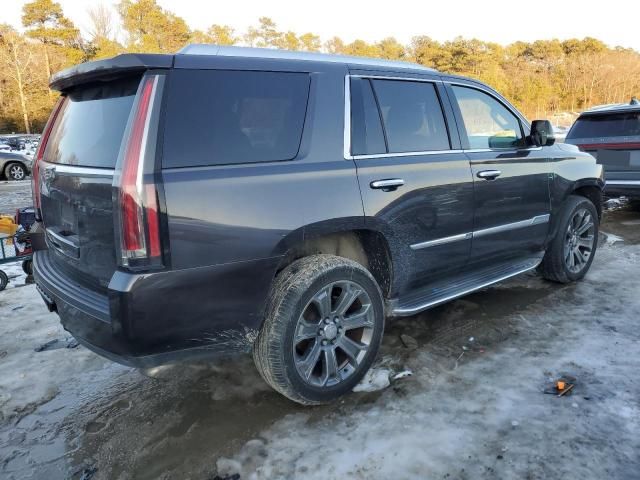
[(333, 333), (579, 240), (17, 173)]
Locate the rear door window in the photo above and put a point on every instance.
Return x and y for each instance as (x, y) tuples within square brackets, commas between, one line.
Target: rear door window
[(412, 116), (611, 125), (488, 123), (218, 117), (90, 125)]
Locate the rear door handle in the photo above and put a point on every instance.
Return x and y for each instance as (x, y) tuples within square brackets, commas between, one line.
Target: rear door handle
[(489, 174), (388, 184)]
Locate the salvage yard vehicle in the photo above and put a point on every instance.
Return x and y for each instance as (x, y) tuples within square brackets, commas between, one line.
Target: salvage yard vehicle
[(14, 166), (611, 133), (226, 200)]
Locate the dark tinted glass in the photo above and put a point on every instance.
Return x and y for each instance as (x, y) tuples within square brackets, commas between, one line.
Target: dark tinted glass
[(225, 117), (412, 116), (489, 124), (367, 137), (90, 125), (611, 125)]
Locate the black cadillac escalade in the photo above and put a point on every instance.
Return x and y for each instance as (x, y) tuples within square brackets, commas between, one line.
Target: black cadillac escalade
[(226, 200)]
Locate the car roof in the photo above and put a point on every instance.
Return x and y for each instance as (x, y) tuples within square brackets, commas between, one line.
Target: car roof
[(632, 106), (270, 53)]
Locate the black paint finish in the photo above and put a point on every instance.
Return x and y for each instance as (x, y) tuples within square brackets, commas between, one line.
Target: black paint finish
[(228, 229)]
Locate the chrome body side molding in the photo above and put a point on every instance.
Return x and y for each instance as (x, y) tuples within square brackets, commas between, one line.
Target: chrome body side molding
[(537, 220)]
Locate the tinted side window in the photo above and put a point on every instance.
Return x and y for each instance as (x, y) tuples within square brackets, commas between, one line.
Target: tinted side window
[(412, 116), (367, 137), (226, 117), (488, 123), (612, 125)]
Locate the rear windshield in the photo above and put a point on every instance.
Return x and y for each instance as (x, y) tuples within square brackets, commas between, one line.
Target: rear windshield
[(612, 125), (91, 123), (228, 117)]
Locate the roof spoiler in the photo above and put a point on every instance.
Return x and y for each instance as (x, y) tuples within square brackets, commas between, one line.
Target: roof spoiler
[(107, 69)]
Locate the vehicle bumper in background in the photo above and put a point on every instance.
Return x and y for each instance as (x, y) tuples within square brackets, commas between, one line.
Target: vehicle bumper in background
[(152, 319), (619, 188)]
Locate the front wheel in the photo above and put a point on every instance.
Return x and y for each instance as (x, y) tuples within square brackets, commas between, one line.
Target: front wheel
[(323, 326), (15, 171), (571, 252)]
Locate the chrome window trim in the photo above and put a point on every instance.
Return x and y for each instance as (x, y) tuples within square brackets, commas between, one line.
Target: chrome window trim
[(622, 182), (406, 79), (347, 121), (537, 220), (404, 154)]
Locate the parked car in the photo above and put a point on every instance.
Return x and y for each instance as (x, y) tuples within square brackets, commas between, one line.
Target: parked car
[(14, 166), (225, 200), (611, 133)]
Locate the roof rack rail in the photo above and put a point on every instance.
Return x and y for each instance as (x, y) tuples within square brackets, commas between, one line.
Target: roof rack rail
[(229, 51)]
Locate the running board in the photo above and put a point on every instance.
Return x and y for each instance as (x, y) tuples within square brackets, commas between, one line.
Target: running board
[(442, 292)]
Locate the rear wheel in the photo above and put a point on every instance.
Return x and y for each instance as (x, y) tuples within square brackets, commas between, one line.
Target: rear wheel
[(15, 171), (322, 330), (27, 267), (4, 280), (571, 252)]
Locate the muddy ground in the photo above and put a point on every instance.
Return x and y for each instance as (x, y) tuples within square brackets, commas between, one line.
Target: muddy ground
[(473, 407)]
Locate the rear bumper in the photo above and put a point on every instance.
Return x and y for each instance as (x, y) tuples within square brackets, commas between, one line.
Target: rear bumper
[(619, 188), (147, 320)]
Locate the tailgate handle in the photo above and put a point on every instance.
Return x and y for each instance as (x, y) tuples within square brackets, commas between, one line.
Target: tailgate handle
[(64, 242)]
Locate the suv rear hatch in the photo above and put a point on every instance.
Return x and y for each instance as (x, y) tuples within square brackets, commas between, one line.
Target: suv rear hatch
[(95, 142), (613, 138)]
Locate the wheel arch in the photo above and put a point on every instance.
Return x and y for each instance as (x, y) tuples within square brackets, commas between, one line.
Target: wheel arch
[(589, 188), (591, 191), (366, 246)]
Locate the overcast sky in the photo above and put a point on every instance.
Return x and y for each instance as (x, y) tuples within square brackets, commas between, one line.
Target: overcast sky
[(504, 21)]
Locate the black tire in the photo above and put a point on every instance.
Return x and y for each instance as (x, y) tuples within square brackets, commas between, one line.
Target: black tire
[(27, 267), (4, 280), (293, 295), (15, 171), (555, 266)]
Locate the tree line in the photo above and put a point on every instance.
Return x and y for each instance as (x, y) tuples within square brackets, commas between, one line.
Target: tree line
[(543, 78)]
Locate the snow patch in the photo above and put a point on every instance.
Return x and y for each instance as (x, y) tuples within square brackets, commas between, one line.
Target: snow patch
[(611, 238), (374, 380)]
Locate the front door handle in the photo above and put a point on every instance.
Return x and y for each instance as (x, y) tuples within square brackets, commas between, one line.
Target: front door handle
[(489, 174), (388, 184)]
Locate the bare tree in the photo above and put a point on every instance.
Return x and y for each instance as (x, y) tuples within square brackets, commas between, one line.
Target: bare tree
[(101, 21), (15, 53)]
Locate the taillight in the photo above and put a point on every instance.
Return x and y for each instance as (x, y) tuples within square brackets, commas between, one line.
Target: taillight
[(35, 168), (137, 194)]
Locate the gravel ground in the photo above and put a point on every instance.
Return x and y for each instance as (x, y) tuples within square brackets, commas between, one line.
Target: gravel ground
[(473, 406)]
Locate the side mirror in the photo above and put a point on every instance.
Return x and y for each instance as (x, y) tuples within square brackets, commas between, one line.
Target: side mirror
[(542, 133)]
